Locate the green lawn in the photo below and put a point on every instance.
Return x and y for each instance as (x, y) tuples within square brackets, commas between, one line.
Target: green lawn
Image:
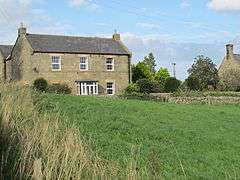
[(200, 141)]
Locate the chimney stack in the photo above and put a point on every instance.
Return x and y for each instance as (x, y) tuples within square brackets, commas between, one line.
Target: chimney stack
[(22, 30), (229, 50), (116, 36)]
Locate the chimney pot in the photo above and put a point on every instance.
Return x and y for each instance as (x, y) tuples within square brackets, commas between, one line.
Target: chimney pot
[(116, 36), (22, 30), (229, 50)]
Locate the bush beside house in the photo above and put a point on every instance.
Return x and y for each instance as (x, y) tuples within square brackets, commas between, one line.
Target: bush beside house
[(59, 89), (42, 85)]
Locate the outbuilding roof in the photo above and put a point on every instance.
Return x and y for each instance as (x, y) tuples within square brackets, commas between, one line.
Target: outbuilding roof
[(72, 44), (236, 58), (5, 50)]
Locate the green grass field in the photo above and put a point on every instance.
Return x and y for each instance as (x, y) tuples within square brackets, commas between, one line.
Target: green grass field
[(178, 141)]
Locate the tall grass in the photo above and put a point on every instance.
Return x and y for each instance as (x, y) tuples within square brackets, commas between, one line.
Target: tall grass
[(36, 145)]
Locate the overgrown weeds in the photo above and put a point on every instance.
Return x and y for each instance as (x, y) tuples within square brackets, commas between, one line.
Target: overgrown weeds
[(36, 145)]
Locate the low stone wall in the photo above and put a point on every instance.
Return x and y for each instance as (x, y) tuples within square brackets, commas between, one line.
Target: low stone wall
[(205, 100), (214, 100), (166, 97)]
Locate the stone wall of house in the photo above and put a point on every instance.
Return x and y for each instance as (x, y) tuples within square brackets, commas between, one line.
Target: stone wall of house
[(21, 55), (1, 68), (39, 65), (27, 66), (229, 71), (8, 71)]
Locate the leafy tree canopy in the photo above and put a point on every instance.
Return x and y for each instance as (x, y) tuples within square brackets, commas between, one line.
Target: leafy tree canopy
[(150, 62), (205, 71), (140, 71), (193, 83), (162, 74), (172, 84)]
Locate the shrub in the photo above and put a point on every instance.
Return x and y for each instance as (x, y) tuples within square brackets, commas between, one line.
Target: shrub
[(40, 84), (140, 71), (59, 89), (221, 86), (193, 83), (157, 87), (145, 86), (172, 84), (141, 96), (132, 88)]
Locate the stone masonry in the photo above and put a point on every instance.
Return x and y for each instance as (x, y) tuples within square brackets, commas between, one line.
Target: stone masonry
[(229, 71), (27, 65)]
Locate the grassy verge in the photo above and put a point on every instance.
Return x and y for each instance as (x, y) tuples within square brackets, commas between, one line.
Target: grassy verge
[(36, 145)]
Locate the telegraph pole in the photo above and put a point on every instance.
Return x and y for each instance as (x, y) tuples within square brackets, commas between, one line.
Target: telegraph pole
[(174, 69)]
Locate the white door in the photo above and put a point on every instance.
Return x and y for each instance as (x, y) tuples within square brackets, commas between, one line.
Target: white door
[(87, 88)]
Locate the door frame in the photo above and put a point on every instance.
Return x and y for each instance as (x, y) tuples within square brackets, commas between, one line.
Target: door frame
[(87, 88)]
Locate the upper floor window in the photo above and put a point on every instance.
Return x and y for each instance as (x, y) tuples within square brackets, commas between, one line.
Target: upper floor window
[(110, 64), (56, 63), (83, 65), (110, 88)]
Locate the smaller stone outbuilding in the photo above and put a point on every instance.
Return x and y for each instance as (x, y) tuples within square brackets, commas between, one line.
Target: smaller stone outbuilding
[(5, 52), (229, 71)]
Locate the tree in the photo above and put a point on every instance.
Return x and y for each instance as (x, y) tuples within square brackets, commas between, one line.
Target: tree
[(172, 84), (161, 77), (162, 74), (140, 71), (193, 83), (205, 71), (150, 62), (145, 85)]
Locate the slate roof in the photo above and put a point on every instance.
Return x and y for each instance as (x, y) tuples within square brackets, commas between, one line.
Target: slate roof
[(6, 50), (71, 44)]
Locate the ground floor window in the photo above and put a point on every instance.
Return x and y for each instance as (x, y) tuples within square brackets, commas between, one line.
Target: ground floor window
[(87, 88), (110, 88)]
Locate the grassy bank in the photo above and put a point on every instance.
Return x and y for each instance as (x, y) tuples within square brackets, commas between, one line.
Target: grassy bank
[(176, 141), (34, 144)]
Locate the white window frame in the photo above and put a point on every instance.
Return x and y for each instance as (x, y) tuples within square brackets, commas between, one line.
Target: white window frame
[(54, 63), (86, 63), (110, 64), (113, 89)]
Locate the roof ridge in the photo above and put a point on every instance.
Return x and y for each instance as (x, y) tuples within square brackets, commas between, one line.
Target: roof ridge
[(70, 36), (76, 44), (6, 45)]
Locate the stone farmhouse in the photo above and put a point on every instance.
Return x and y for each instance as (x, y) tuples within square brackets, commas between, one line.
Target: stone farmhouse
[(229, 71), (88, 65)]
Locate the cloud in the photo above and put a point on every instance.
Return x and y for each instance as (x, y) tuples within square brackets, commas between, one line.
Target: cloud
[(167, 51), (148, 25), (224, 5), (185, 4), (77, 2), (13, 12), (87, 3)]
